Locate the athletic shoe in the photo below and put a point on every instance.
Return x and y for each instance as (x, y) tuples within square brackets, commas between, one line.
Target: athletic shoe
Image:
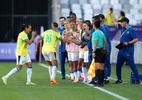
[(30, 83), (106, 81), (71, 80), (118, 82), (92, 82), (4, 80), (63, 78), (53, 81), (75, 81)]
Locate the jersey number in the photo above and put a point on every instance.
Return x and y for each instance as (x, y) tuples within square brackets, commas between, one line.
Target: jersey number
[(48, 38)]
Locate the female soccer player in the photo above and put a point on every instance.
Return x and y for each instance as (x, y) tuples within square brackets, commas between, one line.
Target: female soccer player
[(22, 56)]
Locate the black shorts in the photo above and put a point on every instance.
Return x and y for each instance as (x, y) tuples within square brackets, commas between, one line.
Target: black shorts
[(100, 55)]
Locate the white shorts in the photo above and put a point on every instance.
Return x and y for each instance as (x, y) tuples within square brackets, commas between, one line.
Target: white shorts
[(49, 56), (73, 56), (84, 55), (21, 60)]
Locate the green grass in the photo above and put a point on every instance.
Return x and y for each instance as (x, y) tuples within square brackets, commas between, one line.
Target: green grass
[(17, 90)]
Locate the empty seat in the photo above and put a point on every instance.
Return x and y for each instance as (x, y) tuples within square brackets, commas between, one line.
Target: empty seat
[(97, 11), (87, 17), (140, 11), (78, 12), (81, 2), (65, 12), (64, 1), (138, 17), (103, 2), (104, 11), (134, 11), (133, 22), (87, 6), (137, 6), (72, 1), (140, 1), (88, 11), (124, 1), (112, 2), (117, 6), (64, 6), (75, 6), (93, 2), (133, 2), (127, 6), (126, 10), (116, 11), (129, 16), (106, 6), (97, 6)]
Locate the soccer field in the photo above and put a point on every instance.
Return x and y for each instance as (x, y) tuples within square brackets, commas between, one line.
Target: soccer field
[(17, 90)]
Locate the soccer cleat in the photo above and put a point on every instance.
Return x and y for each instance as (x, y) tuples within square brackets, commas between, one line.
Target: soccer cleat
[(30, 83), (118, 82), (4, 80), (53, 81), (75, 81), (71, 80), (63, 78)]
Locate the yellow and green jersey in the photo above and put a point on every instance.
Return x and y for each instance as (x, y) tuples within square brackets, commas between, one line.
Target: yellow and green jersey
[(22, 46), (50, 38)]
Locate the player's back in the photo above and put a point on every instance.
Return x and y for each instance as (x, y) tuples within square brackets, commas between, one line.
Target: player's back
[(50, 38)]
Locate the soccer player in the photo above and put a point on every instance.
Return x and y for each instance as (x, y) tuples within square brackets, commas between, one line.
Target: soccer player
[(62, 49), (50, 38), (99, 48), (22, 56)]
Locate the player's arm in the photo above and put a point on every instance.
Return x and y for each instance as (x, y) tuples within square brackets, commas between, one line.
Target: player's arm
[(105, 44), (95, 47), (37, 43), (115, 23), (76, 40), (32, 38), (88, 37)]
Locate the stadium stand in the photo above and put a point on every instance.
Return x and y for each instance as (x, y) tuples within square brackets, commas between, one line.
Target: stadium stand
[(132, 8)]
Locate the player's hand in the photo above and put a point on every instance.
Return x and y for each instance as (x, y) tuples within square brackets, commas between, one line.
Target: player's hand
[(36, 51), (93, 55), (33, 33)]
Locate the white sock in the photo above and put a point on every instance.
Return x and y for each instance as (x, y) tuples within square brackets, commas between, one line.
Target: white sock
[(29, 73), (54, 71), (75, 75), (50, 71), (14, 70), (84, 72), (72, 75), (79, 73)]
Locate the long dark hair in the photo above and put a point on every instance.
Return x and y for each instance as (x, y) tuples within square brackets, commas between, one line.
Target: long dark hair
[(23, 26)]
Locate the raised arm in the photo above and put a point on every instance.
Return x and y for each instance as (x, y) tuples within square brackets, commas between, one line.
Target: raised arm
[(32, 38), (115, 23), (37, 43)]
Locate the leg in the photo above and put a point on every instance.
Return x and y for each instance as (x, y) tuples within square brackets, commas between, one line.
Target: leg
[(119, 64), (62, 57), (130, 60)]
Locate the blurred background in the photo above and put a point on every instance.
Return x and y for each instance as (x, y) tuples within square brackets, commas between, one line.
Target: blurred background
[(40, 14)]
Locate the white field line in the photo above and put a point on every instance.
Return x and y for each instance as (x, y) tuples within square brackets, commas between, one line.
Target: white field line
[(101, 89)]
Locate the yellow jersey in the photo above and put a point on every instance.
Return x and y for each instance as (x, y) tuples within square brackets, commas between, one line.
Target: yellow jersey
[(22, 46), (50, 38), (108, 19)]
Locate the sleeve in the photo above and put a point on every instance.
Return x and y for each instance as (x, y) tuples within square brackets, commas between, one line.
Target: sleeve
[(24, 37), (133, 34), (95, 36), (42, 35), (119, 27), (58, 35)]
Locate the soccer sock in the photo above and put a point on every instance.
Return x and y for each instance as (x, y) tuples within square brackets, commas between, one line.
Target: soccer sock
[(14, 70), (79, 73), (84, 71), (54, 71), (50, 71), (29, 73), (75, 75), (72, 75)]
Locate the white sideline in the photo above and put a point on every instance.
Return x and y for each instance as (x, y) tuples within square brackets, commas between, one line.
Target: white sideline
[(101, 89)]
